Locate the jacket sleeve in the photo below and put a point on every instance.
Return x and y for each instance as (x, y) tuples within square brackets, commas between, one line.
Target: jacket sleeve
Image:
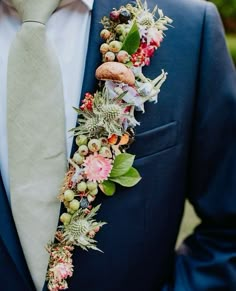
[(207, 259)]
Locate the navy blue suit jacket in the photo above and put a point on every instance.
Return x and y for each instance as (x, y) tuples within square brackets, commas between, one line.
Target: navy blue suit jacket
[(185, 148)]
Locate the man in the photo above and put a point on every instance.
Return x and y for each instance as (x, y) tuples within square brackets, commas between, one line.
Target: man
[(185, 147)]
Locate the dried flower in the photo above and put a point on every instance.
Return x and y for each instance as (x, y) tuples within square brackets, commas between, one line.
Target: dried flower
[(87, 102), (97, 168), (62, 271)]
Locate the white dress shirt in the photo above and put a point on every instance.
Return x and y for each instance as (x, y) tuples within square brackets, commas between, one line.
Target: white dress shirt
[(68, 29)]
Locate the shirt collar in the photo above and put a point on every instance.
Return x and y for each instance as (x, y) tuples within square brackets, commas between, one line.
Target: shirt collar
[(88, 3)]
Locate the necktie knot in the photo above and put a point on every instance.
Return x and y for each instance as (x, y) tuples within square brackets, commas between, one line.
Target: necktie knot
[(35, 10)]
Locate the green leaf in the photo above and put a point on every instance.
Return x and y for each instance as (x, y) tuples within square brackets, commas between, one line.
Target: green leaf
[(120, 97), (132, 40), (131, 178), (122, 164), (108, 187)]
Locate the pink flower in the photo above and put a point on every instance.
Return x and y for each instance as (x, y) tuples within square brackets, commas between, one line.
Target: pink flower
[(97, 168), (62, 271)]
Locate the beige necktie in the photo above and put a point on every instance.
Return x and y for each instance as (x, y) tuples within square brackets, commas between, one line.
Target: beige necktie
[(36, 135)]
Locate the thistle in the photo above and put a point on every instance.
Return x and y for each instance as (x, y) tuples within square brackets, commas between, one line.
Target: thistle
[(106, 118), (82, 228)]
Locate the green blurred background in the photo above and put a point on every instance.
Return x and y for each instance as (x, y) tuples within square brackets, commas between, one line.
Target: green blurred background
[(227, 9)]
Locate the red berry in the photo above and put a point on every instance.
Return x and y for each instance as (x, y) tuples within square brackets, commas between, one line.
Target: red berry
[(114, 15)]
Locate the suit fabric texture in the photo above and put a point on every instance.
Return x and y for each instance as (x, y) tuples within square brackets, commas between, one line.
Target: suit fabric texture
[(185, 148)]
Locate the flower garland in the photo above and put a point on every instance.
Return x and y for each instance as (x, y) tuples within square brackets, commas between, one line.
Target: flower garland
[(131, 35)]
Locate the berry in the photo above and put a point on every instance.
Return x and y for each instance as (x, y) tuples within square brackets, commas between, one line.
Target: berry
[(114, 15), (81, 140), (104, 48), (83, 150), (109, 57), (105, 34), (122, 57), (94, 192), (69, 195), (124, 16), (65, 218), (94, 145), (74, 205), (92, 186), (78, 159), (87, 103), (115, 46), (84, 203), (81, 187)]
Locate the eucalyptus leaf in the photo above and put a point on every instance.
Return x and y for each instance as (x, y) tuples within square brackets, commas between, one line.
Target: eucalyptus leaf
[(132, 40), (129, 179), (122, 164), (108, 188)]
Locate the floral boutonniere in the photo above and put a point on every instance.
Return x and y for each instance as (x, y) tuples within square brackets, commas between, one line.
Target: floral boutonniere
[(131, 35)]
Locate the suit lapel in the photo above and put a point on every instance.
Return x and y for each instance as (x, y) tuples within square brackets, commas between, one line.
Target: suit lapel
[(10, 238)]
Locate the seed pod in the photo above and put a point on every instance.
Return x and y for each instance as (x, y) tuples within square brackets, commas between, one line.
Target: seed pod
[(94, 145), (105, 34), (109, 57), (122, 56), (115, 46), (104, 48), (83, 150)]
